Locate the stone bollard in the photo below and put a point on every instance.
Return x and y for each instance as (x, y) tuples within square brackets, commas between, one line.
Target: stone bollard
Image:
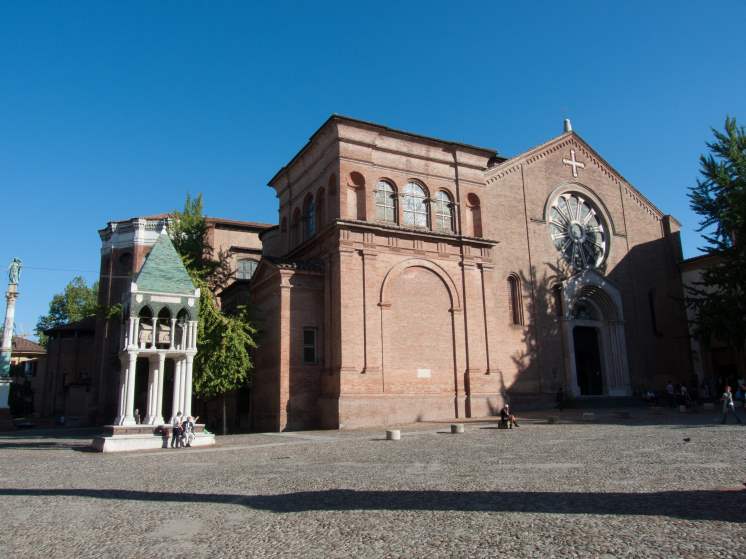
[(709, 406), (393, 435), (682, 408), (589, 416), (457, 428), (552, 419)]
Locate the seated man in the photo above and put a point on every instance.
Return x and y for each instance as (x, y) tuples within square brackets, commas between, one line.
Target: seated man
[(507, 419)]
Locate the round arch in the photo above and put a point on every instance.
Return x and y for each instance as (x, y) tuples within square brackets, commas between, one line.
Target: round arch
[(580, 188), (606, 345), (399, 268)]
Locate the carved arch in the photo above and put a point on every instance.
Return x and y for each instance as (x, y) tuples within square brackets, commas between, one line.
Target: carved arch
[(399, 268), (574, 186)]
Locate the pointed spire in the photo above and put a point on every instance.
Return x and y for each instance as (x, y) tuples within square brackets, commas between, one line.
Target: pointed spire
[(568, 125), (163, 270)]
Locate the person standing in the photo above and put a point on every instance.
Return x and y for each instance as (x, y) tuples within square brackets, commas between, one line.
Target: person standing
[(176, 431), (728, 406), (670, 394)]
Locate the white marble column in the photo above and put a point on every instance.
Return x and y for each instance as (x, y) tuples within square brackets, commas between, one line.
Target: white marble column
[(158, 416), (176, 407), (187, 390), (7, 346), (193, 338), (131, 333), (173, 334), (129, 408), (122, 393), (152, 388)]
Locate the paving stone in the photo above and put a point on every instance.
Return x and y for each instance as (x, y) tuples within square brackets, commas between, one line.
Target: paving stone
[(574, 489)]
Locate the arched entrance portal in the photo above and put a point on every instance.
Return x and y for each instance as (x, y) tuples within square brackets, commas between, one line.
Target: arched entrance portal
[(594, 339)]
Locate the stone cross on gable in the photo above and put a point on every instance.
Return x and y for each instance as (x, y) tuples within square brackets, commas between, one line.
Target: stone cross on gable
[(573, 163)]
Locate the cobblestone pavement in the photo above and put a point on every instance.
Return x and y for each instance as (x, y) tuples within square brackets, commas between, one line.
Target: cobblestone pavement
[(615, 488)]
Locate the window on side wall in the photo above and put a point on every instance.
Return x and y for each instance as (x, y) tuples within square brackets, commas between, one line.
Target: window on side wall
[(245, 268), (310, 355)]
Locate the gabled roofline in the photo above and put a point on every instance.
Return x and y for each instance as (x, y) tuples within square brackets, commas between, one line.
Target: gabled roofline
[(342, 118), (490, 173)]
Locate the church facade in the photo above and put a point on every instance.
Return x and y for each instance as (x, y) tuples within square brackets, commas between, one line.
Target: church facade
[(412, 278)]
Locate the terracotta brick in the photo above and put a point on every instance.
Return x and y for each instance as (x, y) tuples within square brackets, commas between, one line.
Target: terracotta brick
[(418, 325)]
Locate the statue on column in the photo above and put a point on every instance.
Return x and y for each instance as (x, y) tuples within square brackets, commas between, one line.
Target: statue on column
[(14, 275), (14, 271)]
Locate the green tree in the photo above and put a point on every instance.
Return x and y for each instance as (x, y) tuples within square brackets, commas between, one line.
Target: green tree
[(223, 362), (720, 199), (76, 302)]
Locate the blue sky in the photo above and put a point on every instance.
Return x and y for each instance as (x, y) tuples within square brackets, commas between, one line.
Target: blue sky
[(110, 109)]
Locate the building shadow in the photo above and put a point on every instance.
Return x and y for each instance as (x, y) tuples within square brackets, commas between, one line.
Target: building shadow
[(711, 505)]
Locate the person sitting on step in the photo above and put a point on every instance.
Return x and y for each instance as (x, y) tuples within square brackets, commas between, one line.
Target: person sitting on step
[(507, 419)]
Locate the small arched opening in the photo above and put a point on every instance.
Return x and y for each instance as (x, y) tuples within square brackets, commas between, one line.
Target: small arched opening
[(163, 329), (515, 300), (473, 215), (309, 217), (145, 328), (182, 320), (356, 196)]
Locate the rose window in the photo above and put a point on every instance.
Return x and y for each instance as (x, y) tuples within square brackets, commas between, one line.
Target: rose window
[(577, 231)]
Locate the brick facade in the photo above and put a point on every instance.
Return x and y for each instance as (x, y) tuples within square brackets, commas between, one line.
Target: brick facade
[(426, 321)]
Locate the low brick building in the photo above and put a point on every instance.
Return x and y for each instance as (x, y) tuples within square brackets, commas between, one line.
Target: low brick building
[(65, 388), (415, 278)]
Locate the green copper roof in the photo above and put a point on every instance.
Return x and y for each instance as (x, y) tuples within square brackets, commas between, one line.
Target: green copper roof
[(163, 270)]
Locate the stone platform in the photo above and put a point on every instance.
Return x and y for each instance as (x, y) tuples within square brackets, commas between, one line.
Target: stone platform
[(121, 438)]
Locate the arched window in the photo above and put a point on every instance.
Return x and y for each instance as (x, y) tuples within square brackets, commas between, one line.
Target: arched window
[(443, 213), (181, 329), (309, 218), (295, 231), (245, 268), (320, 208), (475, 215), (145, 328), (163, 329), (415, 205), (386, 202), (515, 301)]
